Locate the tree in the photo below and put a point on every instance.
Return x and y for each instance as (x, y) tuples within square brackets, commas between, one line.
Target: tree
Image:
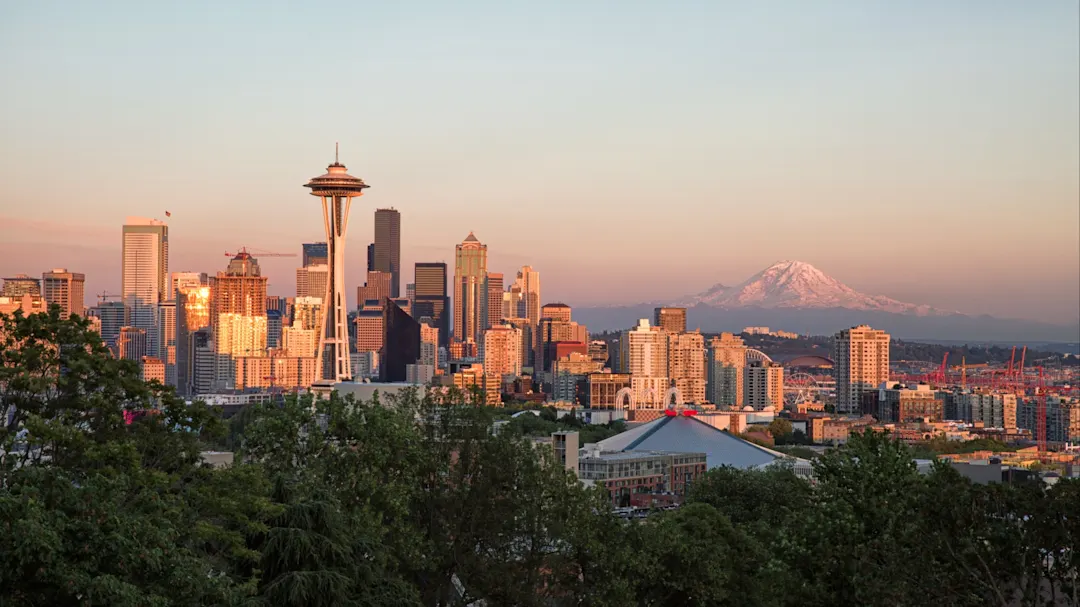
[(99, 511), (780, 428), (695, 556)]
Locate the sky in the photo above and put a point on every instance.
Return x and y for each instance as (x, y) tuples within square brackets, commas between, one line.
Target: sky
[(629, 151)]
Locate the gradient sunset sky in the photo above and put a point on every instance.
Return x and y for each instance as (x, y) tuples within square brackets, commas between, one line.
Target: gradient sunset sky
[(629, 151)]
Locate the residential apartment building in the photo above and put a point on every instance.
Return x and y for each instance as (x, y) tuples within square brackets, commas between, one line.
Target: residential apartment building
[(725, 364), (861, 356), (502, 351), (672, 320), (686, 363), (764, 385)]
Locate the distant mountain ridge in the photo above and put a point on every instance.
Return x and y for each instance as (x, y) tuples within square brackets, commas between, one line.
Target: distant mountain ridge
[(797, 284), (796, 296)]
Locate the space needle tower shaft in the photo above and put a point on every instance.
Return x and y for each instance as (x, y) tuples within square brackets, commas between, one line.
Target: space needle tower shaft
[(336, 189)]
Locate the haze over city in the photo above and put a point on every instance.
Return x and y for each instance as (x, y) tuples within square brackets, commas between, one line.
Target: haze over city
[(631, 152)]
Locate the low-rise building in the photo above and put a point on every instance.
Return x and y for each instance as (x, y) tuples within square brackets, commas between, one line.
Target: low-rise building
[(153, 369), (625, 474)]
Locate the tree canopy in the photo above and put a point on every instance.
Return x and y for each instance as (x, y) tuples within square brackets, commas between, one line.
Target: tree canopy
[(415, 501)]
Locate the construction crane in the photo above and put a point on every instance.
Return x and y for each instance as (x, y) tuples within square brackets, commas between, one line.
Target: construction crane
[(255, 253), (105, 296)]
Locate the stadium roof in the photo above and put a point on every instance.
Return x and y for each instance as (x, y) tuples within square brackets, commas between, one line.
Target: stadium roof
[(809, 360), (686, 434)]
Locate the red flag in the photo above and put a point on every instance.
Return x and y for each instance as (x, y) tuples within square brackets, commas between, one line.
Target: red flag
[(168, 214)]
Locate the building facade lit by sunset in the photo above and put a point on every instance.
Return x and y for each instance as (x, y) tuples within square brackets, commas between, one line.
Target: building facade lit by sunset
[(144, 274), (238, 316), (65, 289), (861, 356), (470, 290), (724, 364), (502, 351), (686, 364), (387, 257)]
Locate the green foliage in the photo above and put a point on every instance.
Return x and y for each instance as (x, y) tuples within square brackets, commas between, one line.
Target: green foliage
[(780, 428), (414, 501), (939, 445)]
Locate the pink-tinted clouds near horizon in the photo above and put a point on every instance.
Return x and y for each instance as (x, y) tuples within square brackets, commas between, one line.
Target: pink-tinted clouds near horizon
[(629, 151)]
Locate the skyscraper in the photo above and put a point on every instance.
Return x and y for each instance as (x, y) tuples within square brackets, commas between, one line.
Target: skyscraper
[(64, 289), (132, 343), (193, 303), (430, 299), (725, 361), (371, 257), (145, 273), (166, 340), (187, 280), (672, 320), (528, 283), (494, 300), (238, 317), (314, 254), (388, 247), (111, 314), (470, 294), (311, 281), (401, 342), (336, 189), (862, 363), (378, 287)]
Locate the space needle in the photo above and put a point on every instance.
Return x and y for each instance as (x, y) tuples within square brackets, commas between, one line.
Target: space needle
[(336, 189)]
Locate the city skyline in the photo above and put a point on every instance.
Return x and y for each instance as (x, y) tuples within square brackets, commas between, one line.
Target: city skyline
[(949, 129)]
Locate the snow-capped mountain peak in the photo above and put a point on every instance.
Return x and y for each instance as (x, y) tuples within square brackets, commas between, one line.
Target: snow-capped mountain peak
[(797, 284)]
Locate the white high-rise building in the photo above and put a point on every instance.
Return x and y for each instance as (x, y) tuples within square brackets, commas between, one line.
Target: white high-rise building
[(502, 351), (861, 357), (646, 351), (144, 281)]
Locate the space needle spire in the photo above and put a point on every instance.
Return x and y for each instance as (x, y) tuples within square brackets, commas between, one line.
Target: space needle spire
[(336, 189)]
